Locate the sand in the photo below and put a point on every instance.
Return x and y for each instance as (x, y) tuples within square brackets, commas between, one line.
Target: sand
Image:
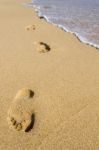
[(64, 79)]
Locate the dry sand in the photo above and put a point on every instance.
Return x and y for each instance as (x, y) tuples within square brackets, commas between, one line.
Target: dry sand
[(65, 80)]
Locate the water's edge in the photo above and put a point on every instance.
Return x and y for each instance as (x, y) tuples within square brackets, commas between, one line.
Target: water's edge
[(81, 39)]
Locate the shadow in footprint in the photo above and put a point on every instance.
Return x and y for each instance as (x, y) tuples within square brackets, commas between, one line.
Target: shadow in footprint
[(41, 17), (30, 127), (30, 27), (47, 47), (31, 93)]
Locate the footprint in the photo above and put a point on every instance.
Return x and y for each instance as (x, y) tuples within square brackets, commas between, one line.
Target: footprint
[(30, 27), (20, 113), (43, 47)]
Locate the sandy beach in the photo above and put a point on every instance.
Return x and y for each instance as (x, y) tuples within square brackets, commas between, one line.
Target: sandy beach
[(63, 74)]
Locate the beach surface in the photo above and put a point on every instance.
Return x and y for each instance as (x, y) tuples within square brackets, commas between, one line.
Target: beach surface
[(62, 72)]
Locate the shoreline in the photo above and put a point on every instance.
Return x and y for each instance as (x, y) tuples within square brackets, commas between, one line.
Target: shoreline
[(80, 38), (63, 76)]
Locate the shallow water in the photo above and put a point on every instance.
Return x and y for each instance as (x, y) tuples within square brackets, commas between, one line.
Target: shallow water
[(78, 16)]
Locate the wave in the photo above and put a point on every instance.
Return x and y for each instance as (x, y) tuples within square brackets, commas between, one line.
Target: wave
[(78, 35)]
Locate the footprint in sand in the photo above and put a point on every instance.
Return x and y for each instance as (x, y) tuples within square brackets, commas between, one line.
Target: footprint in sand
[(20, 113), (42, 47), (30, 27)]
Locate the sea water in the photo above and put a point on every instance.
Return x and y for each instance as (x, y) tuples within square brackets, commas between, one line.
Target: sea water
[(77, 16)]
